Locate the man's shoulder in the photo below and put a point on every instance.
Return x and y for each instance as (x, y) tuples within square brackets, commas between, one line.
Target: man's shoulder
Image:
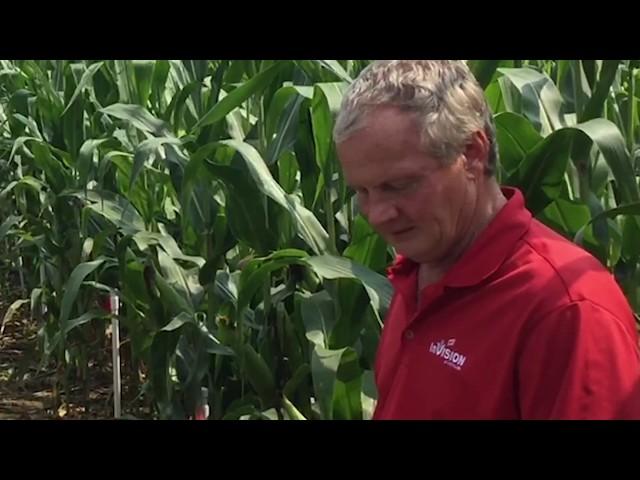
[(566, 258), (562, 272)]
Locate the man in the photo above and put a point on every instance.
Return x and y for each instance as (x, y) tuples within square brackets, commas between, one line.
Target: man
[(494, 316)]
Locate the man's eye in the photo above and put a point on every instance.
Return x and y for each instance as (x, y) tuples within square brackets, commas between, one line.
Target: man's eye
[(400, 186)]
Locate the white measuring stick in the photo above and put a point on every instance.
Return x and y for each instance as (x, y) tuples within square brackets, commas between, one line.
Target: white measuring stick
[(114, 307)]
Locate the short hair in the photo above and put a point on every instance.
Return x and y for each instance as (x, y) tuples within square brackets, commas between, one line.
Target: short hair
[(448, 101)]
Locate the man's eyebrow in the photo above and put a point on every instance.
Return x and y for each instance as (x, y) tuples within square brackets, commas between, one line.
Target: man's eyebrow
[(402, 178), (399, 178)]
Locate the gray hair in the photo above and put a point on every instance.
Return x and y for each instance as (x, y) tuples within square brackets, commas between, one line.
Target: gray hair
[(445, 95)]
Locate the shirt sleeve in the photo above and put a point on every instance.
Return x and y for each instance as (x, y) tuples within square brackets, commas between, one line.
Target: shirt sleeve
[(579, 362)]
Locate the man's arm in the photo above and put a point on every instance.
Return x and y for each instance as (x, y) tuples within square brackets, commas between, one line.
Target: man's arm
[(579, 362)]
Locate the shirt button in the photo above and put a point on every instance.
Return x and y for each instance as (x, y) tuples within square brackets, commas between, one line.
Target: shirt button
[(408, 335)]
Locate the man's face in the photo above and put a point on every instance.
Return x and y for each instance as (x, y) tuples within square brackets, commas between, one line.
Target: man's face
[(417, 205)]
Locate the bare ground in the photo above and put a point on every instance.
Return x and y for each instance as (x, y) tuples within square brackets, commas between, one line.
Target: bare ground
[(27, 390)]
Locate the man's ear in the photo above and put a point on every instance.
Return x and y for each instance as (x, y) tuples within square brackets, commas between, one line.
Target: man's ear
[(476, 153)]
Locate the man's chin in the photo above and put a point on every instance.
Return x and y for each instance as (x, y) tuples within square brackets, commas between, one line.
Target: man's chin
[(409, 253), (414, 255)]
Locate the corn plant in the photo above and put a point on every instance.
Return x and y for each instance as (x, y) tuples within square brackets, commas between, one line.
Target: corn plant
[(568, 135), (208, 196)]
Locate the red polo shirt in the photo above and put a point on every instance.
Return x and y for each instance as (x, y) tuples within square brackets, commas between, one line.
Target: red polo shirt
[(526, 325)]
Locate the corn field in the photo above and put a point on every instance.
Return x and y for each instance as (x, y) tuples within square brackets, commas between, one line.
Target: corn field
[(208, 197)]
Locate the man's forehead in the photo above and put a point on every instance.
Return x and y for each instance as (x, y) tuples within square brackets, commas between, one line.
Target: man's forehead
[(373, 175), (392, 120)]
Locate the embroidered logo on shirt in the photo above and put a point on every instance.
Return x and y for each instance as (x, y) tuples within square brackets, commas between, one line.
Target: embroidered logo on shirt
[(451, 357)]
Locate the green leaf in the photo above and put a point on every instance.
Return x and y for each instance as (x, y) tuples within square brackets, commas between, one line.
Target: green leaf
[(291, 410), (631, 239), (377, 286), (259, 172), (73, 121), (611, 143), (574, 85), (163, 348), (483, 70), (288, 172), (493, 94), (181, 77), (628, 209), (19, 144), (158, 81), (318, 316), (18, 103), (195, 168), (145, 238), (212, 344), (28, 181), (324, 370), (296, 380), (182, 100), (516, 137), (245, 208), (7, 190), (85, 159), (258, 374), (281, 101), (173, 297), (8, 223), (32, 126), (235, 413), (114, 208), (13, 308), (124, 81), (367, 247), (353, 305), (143, 71), (541, 173), (235, 98), (334, 67), (600, 176), (178, 321), (307, 225), (87, 76), (146, 152), (333, 92), (601, 230), (322, 125), (225, 287), (589, 68), (347, 399), (82, 319), (72, 285), (369, 394), (251, 280), (539, 99), (184, 282), (286, 131), (596, 103), (57, 176), (139, 117), (568, 216)]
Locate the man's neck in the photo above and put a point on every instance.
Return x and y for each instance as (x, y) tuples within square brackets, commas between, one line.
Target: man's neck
[(484, 213)]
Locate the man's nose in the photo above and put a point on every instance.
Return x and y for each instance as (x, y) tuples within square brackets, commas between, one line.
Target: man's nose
[(378, 213)]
